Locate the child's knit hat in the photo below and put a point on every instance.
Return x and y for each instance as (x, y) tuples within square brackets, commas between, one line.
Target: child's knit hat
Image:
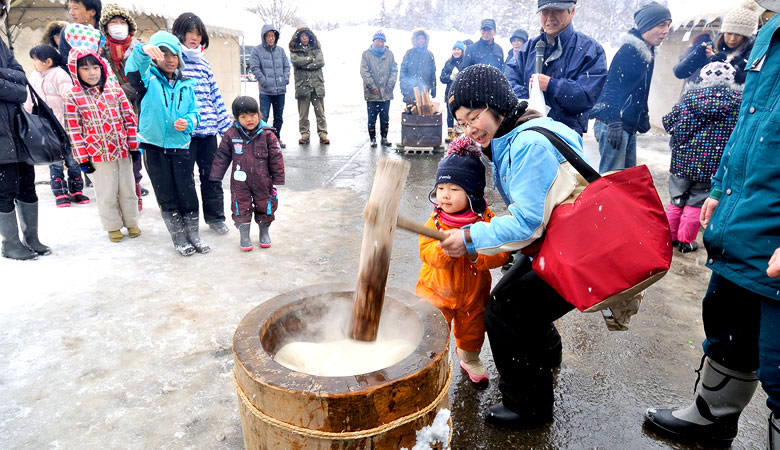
[(716, 73), (169, 41), (462, 166), (84, 37), (112, 10), (742, 20)]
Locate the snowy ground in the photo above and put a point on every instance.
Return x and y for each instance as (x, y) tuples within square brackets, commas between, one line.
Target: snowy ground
[(128, 345)]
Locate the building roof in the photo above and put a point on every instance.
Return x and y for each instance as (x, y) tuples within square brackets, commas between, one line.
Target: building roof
[(222, 20)]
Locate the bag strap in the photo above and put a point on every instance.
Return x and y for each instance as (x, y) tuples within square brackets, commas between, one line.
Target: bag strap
[(565, 149)]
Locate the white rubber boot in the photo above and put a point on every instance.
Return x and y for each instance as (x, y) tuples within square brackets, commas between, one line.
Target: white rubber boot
[(470, 362)]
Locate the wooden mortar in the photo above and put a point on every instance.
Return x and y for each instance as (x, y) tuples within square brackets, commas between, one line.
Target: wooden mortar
[(282, 408)]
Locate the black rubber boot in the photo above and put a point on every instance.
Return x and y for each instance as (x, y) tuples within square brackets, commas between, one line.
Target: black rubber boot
[(712, 419), (372, 136), (191, 230), (265, 238), (383, 129), (774, 432), (529, 404), (28, 222), (173, 221), (13, 248), (246, 241)]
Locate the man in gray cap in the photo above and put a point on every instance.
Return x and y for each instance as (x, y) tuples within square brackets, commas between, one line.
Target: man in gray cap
[(741, 309), (485, 51), (574, 69)]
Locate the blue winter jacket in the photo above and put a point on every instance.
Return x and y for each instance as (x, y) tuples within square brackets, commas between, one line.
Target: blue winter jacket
[(745, 229), (578, 73), (532, 178), (482, 52), (163, 104), (624, 96)]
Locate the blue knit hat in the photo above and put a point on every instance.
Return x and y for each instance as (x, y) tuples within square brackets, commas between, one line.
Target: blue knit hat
[(463, 167), (651, 15), (379, 35), (460, 45)]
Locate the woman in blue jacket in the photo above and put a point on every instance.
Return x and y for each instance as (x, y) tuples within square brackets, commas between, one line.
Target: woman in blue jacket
[(532, 178), (169, 114)]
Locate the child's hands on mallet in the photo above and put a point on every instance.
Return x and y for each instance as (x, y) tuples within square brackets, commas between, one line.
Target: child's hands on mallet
[(153, 52), (180, 124)]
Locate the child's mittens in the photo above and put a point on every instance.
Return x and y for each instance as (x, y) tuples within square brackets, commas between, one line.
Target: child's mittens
[(87, 167)]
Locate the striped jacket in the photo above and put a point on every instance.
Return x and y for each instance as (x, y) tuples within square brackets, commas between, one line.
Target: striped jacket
[(213, 113), (101, 126)]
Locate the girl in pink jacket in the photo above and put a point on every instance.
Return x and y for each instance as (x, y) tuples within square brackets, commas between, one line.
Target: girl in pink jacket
[(53, 83)]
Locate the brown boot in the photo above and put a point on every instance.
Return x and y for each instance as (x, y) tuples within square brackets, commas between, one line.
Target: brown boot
[(450, 135)]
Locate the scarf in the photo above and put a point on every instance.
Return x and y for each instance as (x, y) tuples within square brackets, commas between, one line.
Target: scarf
[(193, 54), (117, 49), (376, 51), (457, 220)]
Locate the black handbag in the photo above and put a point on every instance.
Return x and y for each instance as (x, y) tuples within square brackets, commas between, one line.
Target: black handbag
[(43, 139)]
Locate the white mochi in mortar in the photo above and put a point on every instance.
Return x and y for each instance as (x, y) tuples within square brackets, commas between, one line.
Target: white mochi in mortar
[(343, 357)]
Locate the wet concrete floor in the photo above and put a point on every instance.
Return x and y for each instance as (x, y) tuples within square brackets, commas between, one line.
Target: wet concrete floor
[(607, 379)]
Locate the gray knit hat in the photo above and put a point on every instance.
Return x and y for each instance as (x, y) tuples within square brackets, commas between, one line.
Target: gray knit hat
[(480, 86), (742, 20)]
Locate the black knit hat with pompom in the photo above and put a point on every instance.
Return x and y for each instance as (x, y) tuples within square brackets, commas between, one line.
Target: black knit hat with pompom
[(463, 167), (482, 86)]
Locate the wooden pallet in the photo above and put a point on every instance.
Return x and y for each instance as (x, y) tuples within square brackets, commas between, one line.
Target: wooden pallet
[(419, 150)]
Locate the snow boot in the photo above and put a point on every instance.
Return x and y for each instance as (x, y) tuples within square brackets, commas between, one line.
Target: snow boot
[(116, 236), (246, 242), (713, 416), (528, 403), (175, 225), (688, 247), (133, 232), (383, 129), (218, 227), (13, 248), (79, 197), (372, 136), (265, 238), (191, 226), (28, 223), (62, 201), (470, 362), (774, 432)]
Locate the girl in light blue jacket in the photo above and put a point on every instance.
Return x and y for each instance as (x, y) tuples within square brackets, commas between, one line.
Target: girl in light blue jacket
[(168, 115)]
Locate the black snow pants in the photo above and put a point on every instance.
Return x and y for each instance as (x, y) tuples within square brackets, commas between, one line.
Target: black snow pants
[(17, 182), (526, 345), (170, 172), (202, 151)]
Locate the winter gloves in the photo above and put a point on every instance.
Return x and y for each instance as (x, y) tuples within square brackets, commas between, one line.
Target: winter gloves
[(87, 167), (615, 134)]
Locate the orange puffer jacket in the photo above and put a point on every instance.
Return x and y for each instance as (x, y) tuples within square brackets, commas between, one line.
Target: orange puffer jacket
[(455, 282)]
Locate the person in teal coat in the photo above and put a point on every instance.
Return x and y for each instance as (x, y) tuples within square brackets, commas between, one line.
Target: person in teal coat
[(741, 309), (168, 115)]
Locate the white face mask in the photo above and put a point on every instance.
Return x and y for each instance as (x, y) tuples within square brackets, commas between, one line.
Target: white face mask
[(192, 53), (118, 32)]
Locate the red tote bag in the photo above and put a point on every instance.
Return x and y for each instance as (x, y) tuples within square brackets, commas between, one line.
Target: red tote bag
[(608, 245)]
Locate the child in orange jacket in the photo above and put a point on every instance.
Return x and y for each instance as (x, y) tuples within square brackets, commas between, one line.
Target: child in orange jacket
[(459, 287)]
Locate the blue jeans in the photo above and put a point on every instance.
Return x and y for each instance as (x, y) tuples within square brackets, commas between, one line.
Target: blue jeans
[(381, 109), (277, 102), (57, 176), (612, 158), (742, 333)]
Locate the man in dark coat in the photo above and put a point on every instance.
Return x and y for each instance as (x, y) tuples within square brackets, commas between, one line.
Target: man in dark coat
[(741, 309), (574, 69), (622, 109), (418, 69), (17, 178), (485, 51), (307, 61), (270, 66)]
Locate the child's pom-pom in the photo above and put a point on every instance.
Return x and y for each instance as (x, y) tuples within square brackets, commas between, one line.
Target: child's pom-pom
[(464, 146)]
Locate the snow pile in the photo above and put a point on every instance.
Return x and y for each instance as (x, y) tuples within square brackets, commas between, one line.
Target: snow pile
[(436, 433)]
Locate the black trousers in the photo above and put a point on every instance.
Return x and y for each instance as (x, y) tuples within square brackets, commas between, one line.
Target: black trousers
[(525, 344), (381, 109), (202, 151), (17, 182), (170, 172)]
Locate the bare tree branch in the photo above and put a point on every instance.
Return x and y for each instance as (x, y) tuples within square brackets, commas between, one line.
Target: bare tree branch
[(276, 12)]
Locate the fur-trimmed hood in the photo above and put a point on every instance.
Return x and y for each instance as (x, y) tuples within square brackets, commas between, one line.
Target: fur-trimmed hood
[(418, 31), (51, 27), (635, 40), (296, 44)]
